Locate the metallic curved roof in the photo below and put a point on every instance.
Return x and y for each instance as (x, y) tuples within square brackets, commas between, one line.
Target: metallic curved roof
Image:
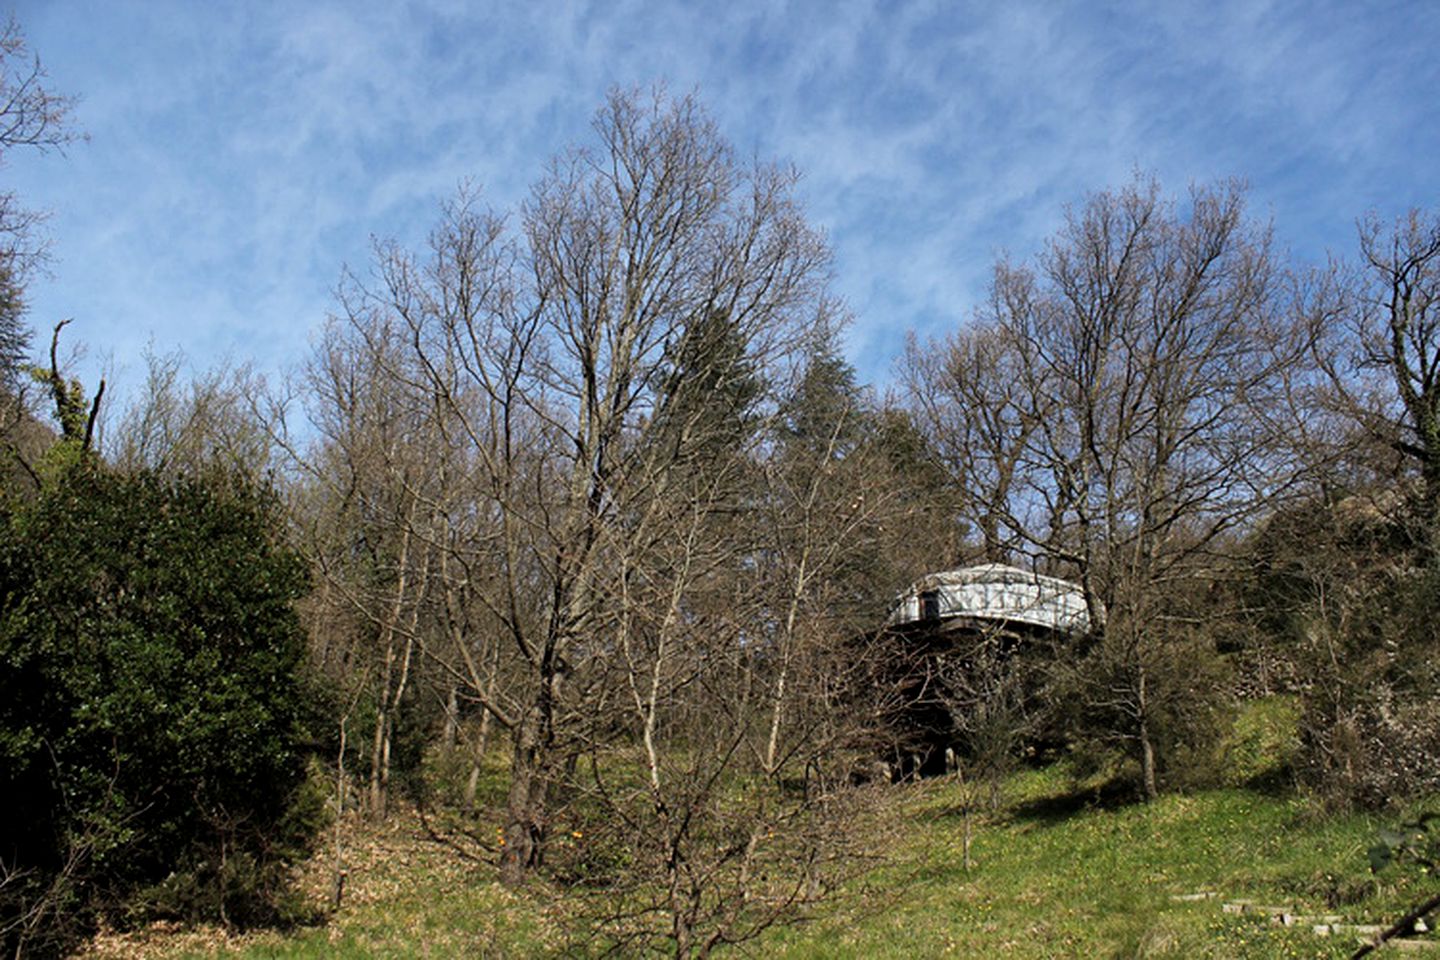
[(995, 592)]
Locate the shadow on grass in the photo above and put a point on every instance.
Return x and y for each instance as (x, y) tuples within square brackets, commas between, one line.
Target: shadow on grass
[(1110, 795), (1276, 782)]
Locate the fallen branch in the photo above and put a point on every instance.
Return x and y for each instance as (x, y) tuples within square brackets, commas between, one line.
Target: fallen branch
[(1399, 928)]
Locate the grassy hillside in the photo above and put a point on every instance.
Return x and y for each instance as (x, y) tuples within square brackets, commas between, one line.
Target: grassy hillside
[(1055, 874), (1055, 877)]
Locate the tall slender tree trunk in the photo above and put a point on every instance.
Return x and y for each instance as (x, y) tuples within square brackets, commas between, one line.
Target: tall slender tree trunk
[(1147, 744), (450, 733), (380, 747), (380, 739), (482, 738), (403, 683)]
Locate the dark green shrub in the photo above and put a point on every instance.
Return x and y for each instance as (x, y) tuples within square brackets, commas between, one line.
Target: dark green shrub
[(1351, 594), (1371, 730), (1099, 701), (151, 701), (239, 882)]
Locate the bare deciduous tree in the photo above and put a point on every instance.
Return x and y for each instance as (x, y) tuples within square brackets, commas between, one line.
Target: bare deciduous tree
[(1121, 406), (186, 428), (31, 115), (548, 358), (1377, 330), (981, 681)]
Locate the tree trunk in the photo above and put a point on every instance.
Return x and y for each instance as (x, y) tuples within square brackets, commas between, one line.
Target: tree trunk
[(969, 832), (680, 931), (487, 724), (472, 785), (380, 746), (452, 718), (477, 760), (1147, 746), (338, 882), (967, 813), (380, 750), (525, 806), (400, 686)]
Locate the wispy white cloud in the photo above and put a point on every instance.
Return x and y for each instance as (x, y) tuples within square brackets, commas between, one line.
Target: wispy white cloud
[(242, 153)]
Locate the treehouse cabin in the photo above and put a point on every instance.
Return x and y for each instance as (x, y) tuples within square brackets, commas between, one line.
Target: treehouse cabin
[(942, 622), (991, 596)]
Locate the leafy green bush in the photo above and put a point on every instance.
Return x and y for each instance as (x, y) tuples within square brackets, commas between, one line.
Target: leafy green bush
[(151, 703)]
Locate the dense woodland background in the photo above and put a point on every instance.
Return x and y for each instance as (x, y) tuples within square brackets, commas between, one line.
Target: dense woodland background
[(589, 482)]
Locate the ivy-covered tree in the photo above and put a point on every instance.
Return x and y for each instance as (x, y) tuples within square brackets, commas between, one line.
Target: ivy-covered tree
[(151, 706)]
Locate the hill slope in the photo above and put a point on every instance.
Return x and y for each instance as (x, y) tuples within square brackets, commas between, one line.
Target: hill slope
[(1055, 874)]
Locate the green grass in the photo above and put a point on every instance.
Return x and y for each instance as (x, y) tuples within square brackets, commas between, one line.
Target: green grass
[(1054, 877), (1261, 743), (1056, 874)]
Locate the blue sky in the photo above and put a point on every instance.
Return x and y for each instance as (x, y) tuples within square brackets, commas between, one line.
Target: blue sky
[(241, 153)]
